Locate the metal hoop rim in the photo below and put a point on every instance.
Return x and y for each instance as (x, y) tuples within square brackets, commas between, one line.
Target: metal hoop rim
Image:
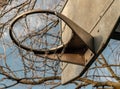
[(50, 51)]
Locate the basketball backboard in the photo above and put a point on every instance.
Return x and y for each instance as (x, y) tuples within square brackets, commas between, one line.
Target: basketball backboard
[(98, 18)]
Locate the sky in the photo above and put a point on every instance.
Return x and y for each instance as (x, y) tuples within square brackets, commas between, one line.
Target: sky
[(7, 47)]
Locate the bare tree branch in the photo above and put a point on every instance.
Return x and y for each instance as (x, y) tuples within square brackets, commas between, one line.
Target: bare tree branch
[(110, 69)]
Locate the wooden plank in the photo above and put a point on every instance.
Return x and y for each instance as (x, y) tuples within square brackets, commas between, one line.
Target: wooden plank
[(70, 71), (104, 28), (85, 13), (99, 24), (103, 31)]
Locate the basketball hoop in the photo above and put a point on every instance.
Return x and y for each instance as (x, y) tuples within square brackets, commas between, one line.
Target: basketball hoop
[(52, 21)]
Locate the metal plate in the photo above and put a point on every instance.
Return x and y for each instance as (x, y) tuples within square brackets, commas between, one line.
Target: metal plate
[(97, 17)]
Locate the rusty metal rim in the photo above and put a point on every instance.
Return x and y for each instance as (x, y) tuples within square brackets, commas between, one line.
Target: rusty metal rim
[(50, 51), (85, 37)]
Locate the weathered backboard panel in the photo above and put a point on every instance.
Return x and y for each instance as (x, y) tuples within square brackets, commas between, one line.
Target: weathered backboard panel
[(97, 17)]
